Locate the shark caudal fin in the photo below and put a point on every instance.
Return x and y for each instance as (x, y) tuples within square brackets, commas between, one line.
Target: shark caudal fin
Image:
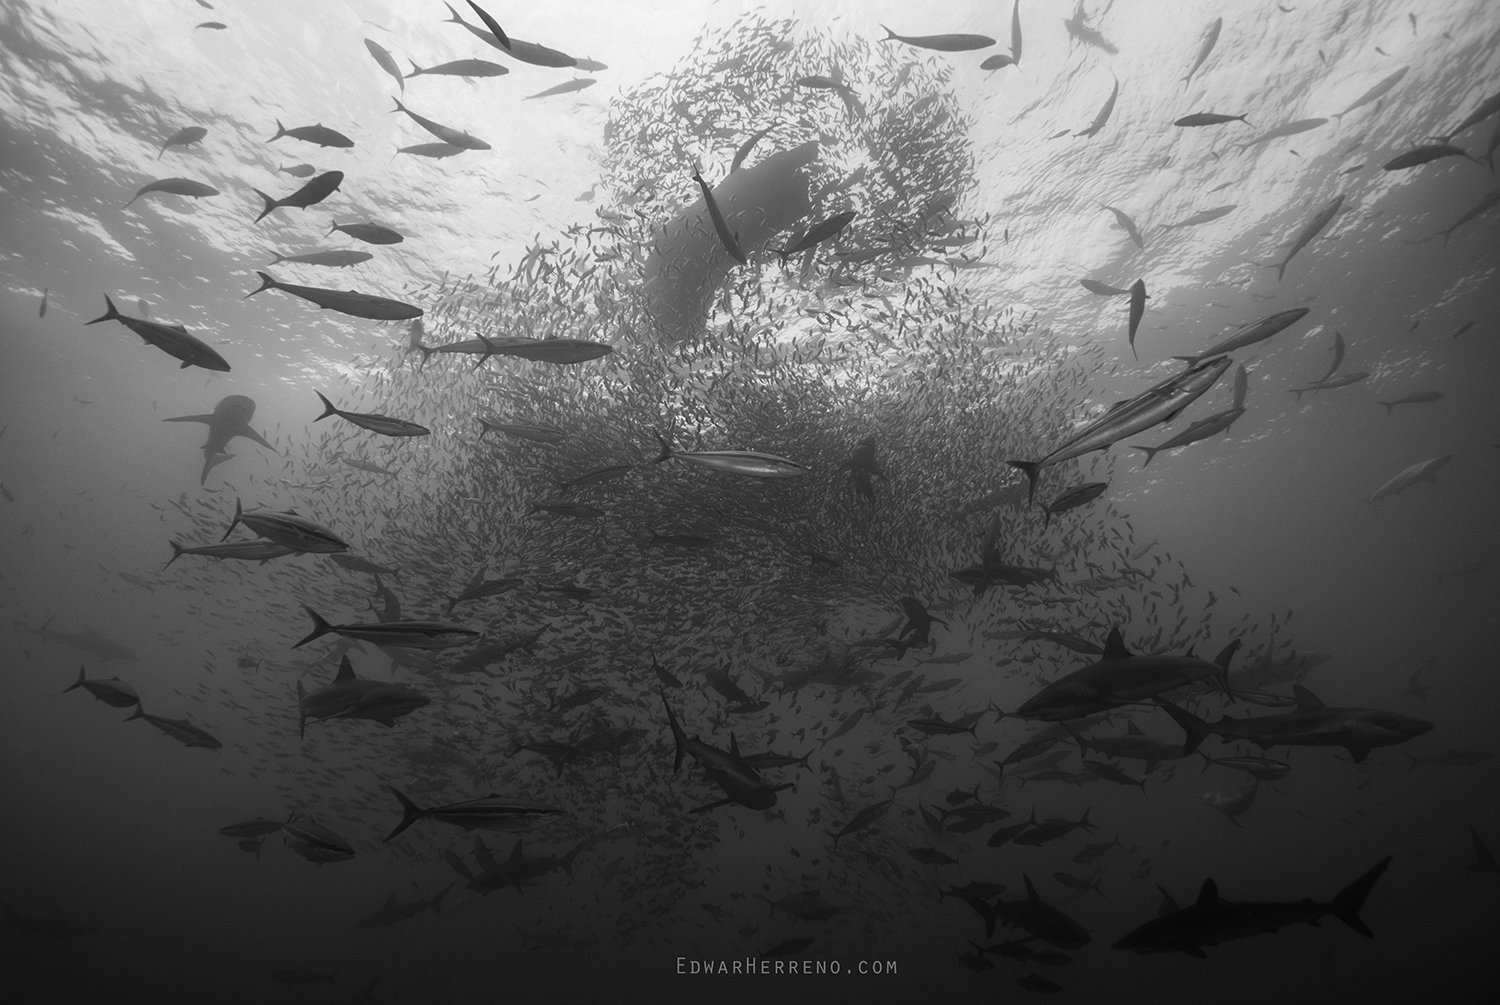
[(1347, 904), (82, 680), (271, 205), (110, 314), (410, 814), (238, 512), (678, 736), (1029, 469), (1150, 452), (985, 911), (666, 449), (1222, 661), (267, 282), (328, 408), (1194, 728), (320, 627), (436, 903)]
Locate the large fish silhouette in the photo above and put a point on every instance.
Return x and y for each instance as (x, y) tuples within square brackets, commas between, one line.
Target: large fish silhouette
[(230, 418)]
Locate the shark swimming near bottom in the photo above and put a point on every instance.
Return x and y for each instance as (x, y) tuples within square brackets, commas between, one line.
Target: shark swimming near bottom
[(230, 418), (1212, 919)]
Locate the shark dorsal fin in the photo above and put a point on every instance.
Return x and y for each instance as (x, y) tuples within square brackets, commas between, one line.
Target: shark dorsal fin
[(1031, 896), (1114, 646), (1305, 698), (1209, 894), (1132, 729), (515, 853), (346, 671), (734, 747)]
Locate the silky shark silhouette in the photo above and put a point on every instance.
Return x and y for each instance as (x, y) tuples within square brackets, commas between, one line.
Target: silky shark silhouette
[(230, 418)]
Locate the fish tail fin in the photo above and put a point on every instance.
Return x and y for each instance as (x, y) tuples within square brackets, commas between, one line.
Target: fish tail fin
[(399, 106), (110, 313), (1029, 469), (1194, 728), (238, 512), (456, 17), (1222, 661), (1347, 904), (567, 860), (139, 713), (436, 903), (270, 207), (320, 627), (889, 35), (1280, 270), (666, 449), (280, 132), (177, 552), (1413, 760), (986, 911), (410, 811), (415, 69), (1207, 761), (267, 282), (1150, 452), (329, 409), (427, 352), (278, 259), (678, 736), (1389, 406), (81, 680)]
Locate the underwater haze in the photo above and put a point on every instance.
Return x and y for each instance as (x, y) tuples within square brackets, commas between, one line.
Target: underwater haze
[(606, 501)]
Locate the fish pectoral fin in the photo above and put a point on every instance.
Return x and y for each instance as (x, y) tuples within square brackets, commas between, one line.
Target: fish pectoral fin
[(713, 805)]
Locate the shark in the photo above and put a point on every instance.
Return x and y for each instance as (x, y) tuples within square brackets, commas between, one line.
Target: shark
[(1121, 677), (741, 783), (1422, 471), (1041, 920), (1212, 919), (89, 642), (1310, 724), (349, 697), (517, 868), (393, 910), (230, 418)]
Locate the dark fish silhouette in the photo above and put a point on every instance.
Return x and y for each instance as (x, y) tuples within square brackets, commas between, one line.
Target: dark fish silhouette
[(174, 186), (230, 418), (173, 340), (359, 305), (319, 134), (313, 192)]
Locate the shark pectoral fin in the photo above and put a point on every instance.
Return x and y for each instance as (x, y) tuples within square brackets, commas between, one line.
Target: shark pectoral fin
[(251, 434), (1194, 951), (191, 418)]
